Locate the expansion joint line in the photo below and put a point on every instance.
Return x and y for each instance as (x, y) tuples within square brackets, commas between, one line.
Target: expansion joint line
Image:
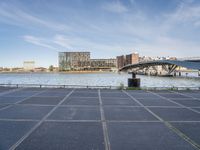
[(167, 124), (195, 98), (10, 105), (181, 105), (39, 123), (11, 91), (104, 125)]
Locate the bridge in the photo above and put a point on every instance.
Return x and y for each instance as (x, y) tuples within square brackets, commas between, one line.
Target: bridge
[(168, 65)]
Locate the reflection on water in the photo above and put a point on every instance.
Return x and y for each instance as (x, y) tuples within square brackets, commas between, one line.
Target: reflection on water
[(95, 79)]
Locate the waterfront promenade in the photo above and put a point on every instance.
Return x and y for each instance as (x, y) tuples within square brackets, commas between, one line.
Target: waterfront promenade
[(98, 119)]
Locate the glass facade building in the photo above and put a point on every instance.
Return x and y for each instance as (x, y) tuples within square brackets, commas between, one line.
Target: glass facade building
[(81, 61), (103, 63), (73, 60)]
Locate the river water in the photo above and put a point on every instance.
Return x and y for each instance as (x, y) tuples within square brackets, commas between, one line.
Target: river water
[(95, 79)]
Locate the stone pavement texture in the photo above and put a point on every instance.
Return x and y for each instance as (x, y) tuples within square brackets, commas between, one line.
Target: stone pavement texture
[(99, 119)]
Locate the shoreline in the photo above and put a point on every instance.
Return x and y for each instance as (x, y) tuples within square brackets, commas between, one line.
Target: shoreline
[(61, 72)]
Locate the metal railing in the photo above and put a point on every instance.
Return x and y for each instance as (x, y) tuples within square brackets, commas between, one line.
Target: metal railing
[(97, 87), (177, 88), (57, 86)]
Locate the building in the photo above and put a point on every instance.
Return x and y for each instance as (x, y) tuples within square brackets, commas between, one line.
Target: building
[(145, 59), (81, 61), (121, 61), (128, 59), (73, 60), (132, 58), (29, 65), (103, 63)]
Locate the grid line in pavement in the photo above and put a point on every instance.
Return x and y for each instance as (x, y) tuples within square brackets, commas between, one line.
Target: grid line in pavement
[(11, 91), (147, 124), (181, 105), (12, 104), (188, 96), (104, 125), (168, 125), (39, 123)]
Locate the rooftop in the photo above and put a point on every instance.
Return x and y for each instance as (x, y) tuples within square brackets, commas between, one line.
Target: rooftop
[(92, 119)]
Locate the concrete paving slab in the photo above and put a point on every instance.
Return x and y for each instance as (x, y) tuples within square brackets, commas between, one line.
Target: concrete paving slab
[(195, 95), (65, 136), (21, 94), (77, 123), (173, 95), (156, 102), (11, 132), (84, 94), (162, 91), (60, 90), (24, 112), (116, 101), (189, 103), (4, 89), (191, 129), (136, 91), (76, 113), (81, 101), (198, 109), (34, 89), (114, 95), (54, 94), (176, 114), (11, 100), (144, 136), (127, 113), (86, 90), (43, 100), (145, 95), (188, 91), (110, 90), (3, 105), (180, 99)]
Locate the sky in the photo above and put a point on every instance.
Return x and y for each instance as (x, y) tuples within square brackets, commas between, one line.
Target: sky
[(38, 29)]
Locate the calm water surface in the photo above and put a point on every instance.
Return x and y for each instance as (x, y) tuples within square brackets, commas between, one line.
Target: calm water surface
[(95, 79)]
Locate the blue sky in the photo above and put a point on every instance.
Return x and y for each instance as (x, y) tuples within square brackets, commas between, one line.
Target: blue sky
[(38, 29)]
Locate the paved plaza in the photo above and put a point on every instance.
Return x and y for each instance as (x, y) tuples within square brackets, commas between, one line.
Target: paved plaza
[(98, 119)]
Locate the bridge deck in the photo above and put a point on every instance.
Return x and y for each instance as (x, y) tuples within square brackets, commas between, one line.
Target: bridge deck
[(84, 119), (186, 64)]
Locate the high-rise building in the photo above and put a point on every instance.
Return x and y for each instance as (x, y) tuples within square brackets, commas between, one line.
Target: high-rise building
[(128, 59), (132, 58), (81, 61), (73, 60), (121, 61)]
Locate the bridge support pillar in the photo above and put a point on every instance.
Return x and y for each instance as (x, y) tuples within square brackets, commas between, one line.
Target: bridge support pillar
[(174, 74), (134, 82)]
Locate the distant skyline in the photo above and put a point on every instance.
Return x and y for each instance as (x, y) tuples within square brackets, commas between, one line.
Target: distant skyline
[(38, 29)]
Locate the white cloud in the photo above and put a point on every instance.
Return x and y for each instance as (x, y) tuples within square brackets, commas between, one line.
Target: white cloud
[(115, 7), (62, 41), (186, 12), (14, 15), (37, 41), (132, 30)]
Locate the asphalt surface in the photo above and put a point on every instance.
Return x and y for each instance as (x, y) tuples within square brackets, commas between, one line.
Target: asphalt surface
[(93, 119)]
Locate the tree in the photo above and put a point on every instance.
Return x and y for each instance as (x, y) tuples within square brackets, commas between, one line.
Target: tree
[(51, 68)]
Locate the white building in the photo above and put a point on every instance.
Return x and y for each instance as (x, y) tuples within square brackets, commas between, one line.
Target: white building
[(29, 65)]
